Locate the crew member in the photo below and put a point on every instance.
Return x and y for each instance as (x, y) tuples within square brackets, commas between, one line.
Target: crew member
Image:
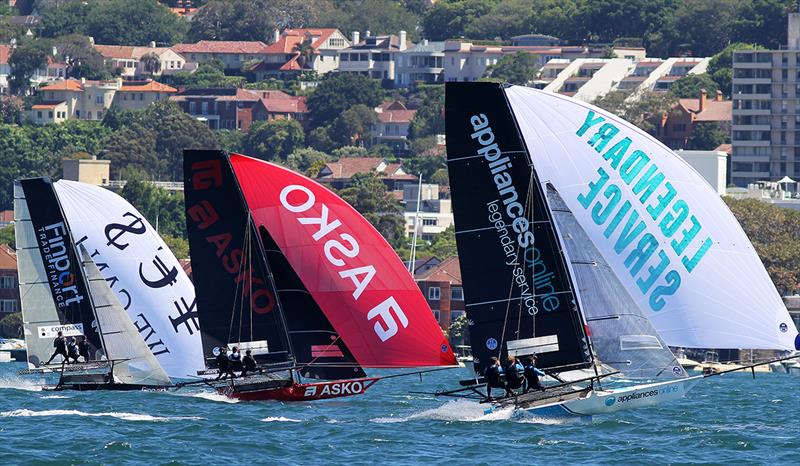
[(235, 357), (513, 375), (492, 374), (249, 363), (532, 374), (83, 348), (223, 364), (60, 345), (72, 351)]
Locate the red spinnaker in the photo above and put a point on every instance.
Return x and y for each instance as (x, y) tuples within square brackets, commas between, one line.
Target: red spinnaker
[(352, 272)]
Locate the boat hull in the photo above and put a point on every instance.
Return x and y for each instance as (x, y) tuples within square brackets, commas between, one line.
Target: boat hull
[(613, 400), (300, 391)]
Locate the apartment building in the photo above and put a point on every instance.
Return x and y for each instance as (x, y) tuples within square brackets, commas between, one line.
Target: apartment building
[(435, 210), (442, 287), (222, 108), (392, 125), (374, 56), (766, 111), (422, 63)]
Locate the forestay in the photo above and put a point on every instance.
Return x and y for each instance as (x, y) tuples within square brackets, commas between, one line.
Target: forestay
[(140, 268), (134, 363), (665, 232), (621, 335)]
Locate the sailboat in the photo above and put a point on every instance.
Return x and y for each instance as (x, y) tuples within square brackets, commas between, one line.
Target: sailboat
[(287, 269), (61, 293), (542, 277)]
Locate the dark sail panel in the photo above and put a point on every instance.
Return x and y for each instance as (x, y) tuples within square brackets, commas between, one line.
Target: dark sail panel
[(62, 267), (318, 349), (519, 296), (235, 300)]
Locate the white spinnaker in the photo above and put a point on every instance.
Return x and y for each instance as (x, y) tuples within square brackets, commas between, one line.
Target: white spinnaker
[(134, 362), (165, 315), (39, 313), (724, 297)]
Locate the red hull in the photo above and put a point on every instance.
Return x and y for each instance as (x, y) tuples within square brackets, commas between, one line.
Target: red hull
[(303, 391)]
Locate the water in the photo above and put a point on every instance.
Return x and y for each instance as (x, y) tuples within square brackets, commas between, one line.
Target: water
[(724, 419)]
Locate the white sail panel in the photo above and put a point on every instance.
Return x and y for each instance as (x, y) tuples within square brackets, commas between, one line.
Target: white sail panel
[(134, 363), (39, 314), (622, 337), (666, 233), (142, 271)]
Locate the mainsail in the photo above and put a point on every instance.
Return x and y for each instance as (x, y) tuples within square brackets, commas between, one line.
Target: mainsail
[(518, 292), (52, 289), (133, 362), (665, 232), (349, 269), (237, 268), (621, 335), (140, 268)]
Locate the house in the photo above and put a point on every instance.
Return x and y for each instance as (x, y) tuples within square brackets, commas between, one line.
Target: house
[(134, 61), (233, 54), (443, 290), (89, 100), (338, 174), (222, 108), (5, 68), (435, 211), (6, 218), (675, 127), (280, 105), (53, 71), (422, 63), (283, 60), (392, 125), (9, 289), (374, 56)]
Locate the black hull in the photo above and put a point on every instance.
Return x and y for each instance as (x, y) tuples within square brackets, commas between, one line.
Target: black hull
[(85, 387)]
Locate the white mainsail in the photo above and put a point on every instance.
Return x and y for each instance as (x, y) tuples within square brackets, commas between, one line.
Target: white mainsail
[(134, 363), (40, 318), (140, 268), (665, 232), (621, 335)]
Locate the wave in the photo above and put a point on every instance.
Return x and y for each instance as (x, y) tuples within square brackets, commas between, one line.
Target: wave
[(55, 397), (73, 412), (279, 419), (21, 383), (457, 410), (210, 396)]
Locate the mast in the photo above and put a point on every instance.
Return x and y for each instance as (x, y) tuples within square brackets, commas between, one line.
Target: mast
[(413, 258)]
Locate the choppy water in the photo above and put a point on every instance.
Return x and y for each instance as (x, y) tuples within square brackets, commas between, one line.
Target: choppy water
[(725, 419)]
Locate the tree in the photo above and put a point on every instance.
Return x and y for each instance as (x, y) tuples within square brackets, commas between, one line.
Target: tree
[(707, 136), (689, 86), (720, 67), (701, 27), (307, 161), (763, 22), (427, 165), (28, 57), (429, 119), (273, 139), (519, 68), (67, 18), (11, 325), (350, 128), (304, 51), (339, 91), (133, 146), (134, 22), (8, 237), (151, 63), (179, 246), (159, 206), (230, 140), (640, 111), (368, 195), (208, 74), (450, 18), (81, 58), (458, 332), (607, 20), (11, 109), (377, 16), (254, 19)]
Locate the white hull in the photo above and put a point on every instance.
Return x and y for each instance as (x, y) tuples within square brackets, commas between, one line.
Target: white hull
[(793, 370), (617, 399)]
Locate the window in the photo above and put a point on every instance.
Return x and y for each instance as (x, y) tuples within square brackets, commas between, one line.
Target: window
[(39, 115), (99, 99), (124, 96), (457, 293), (434, 293), (455, 315), (89, 115), (77, 113), (429, 222), (192, 106), (204, 106), (141, 96), (436, 314), (10, 305), (7, 282)]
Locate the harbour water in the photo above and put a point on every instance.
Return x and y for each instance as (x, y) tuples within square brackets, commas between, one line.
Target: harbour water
[(726, 419)]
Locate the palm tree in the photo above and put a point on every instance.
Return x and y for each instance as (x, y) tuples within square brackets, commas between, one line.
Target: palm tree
[(305, 52), (151, 63)]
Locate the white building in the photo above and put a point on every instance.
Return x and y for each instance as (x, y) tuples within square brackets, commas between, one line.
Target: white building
[(711, 165), (374, 56), (281, 58), (128, 59), (423, 63), (435, 213)]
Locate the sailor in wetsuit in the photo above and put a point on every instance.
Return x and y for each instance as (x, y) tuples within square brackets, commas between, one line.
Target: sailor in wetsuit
[(224, 364), (72, 351), (492, 374), (83, 348), (532, 374), (513, 375), (235, 357), (249, 363), (60, 344)]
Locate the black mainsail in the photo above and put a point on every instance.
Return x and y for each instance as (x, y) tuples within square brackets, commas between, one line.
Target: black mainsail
[(246, 290), (520, 299)]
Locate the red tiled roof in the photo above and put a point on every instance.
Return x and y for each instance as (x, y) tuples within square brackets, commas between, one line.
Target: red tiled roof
[(47, 105), (290, 38), (241, 95), (221, 46), (66, 85), (288, 104), (714, 110), (5, 52), (7, 216), (270, 94), (145, 86), (395, 112), (346, 167), (449, 270), (8, 259), (115, 51), (727, 148)]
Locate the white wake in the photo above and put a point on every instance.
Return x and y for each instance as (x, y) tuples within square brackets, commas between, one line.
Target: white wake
[(73, 412)]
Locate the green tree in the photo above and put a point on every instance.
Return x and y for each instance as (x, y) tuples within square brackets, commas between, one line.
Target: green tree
[(458, 332), (429, 119), (305, 52), (443, 244), (133, 146), (230, 140), (640, 111), (351, 127), (763, 22), (208, 74), (720, 67), (339, 91), (702, 27), (179, 246), (689, 86), (369, 196), (7, 236), (427, 165), (11, 109), (66, 18), (151, 63), (11, 325), (607, 20), (378, 16), (450, 18), (134, 22), (28, 57), (707, 136), (81, 58), (159, 206), (273, 139), (519, 68), (307, 161)]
